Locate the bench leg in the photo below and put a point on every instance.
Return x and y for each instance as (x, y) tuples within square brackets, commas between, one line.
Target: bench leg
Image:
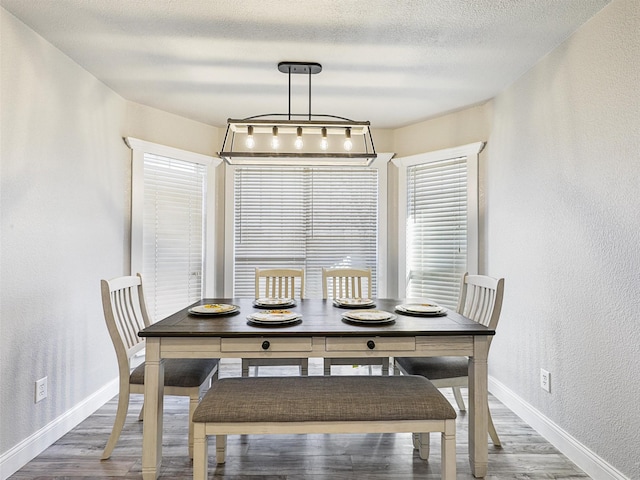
[(448, 446), (221, 448), (200, 452), (421, 443)]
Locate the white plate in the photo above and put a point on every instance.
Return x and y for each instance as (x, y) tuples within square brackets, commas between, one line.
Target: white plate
[(386, 321), (353, 302), (269, 316), (251, 321), (369, 316), (439, 313), (274, 302), (421, 307), (213, 309)]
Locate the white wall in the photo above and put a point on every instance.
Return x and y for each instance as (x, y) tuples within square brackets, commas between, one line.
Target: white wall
[(65, 215), (64, 225), (563, 228), (560, 213), (164, 128), (454, 129)]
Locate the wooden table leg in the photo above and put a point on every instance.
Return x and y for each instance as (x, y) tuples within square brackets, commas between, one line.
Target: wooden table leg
[(478, 411), (153, 410)]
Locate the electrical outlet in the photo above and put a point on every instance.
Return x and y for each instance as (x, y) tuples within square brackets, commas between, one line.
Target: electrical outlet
[(41, 389), (545, 380)]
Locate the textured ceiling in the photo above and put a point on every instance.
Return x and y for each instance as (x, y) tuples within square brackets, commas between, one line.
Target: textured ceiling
[(391, 62)]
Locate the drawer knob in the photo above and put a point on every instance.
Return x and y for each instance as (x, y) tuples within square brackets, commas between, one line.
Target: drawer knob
[(371, 344), (266, 345)]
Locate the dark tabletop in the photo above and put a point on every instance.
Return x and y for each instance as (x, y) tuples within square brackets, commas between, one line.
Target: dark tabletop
[(319, 318)]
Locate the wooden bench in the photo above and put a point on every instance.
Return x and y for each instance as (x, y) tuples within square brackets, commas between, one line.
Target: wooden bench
[(323, 404)]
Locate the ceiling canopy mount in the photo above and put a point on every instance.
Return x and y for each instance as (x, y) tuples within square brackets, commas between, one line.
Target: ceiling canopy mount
[(300, 67)]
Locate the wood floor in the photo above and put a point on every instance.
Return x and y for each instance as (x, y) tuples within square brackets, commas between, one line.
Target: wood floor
[(524, 455)]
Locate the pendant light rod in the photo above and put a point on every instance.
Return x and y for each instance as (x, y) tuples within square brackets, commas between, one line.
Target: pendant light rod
[(289, 93), (309, 68), (309, 94)]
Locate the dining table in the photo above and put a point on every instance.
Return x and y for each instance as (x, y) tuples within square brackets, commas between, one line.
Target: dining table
[(321, 331)]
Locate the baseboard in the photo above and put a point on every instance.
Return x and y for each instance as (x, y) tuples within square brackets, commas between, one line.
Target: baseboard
[(585, 459), (25, 451)]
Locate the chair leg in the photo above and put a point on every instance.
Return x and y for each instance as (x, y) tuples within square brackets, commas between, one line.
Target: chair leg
[(492, 432), (459, 400), (141, 415), (327, 366), (422, 440), (121, 416), (221, 448), (245, 367), (200, 453), (385, 366), (304, 367), (194, 399)]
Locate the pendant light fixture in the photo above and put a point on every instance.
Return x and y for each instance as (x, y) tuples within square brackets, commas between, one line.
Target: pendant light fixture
[(298, 139)]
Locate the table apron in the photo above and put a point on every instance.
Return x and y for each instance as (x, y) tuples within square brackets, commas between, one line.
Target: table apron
[(301, 347)]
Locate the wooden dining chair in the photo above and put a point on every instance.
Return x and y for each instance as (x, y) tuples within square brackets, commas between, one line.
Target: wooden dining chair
[(284, 283), (481, 301), (279, 283), (126, 314), (348, 283)]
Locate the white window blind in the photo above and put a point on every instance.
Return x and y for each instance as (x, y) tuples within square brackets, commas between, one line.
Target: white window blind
[(437, 229), (303, 218), (173, 233)]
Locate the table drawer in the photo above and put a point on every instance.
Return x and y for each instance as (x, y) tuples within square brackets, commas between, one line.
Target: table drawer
[(270, 344), (342, 344)]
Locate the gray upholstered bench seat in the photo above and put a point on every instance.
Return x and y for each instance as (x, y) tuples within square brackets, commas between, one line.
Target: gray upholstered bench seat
[(327, 404)]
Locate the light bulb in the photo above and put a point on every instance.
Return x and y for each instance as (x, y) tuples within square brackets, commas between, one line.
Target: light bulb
[(250, 141), (299, 144), (323, 143), (348, 144), (275, 142)]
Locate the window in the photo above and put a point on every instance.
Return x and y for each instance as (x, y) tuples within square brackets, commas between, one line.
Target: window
[(303, 217), (439, 215), (169, 225)]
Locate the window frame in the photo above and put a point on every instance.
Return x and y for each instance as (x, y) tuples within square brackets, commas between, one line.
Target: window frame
[(380, 163), (138, 150), (471, 152)]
